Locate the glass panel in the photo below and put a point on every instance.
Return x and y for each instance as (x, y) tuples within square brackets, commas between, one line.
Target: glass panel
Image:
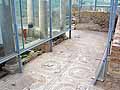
[(119, 2), (103, 9), (84, 4), (64, 15), (1, 40), (75, 3), (55, 16), (88, 2), (103, 5), (43, 19), (103, 2), (7, 44), (35, 22), (60, 14), (18, 18)]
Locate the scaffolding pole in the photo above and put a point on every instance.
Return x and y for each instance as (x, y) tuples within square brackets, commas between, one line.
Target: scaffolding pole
[(102, 69), (95, 5), (16, 34), (70, 18), (21, 22), (50, 13), (79, 8)]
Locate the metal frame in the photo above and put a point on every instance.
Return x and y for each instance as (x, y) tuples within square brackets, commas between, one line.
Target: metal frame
[(80, 3), (51, 34), (95, 5), (79, 7), (70, 18), (21, 20), (16, 34), (102, 69), (18, 51)]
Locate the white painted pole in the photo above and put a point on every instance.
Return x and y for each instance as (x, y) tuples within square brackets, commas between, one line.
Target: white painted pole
[(29, 12), (43, 21), (62, 13), (30, 18)]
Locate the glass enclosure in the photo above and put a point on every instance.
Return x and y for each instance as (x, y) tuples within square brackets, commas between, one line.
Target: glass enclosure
[(7, 40), (33, 22)]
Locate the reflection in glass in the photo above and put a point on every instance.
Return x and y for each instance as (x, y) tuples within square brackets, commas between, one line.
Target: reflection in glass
[(34, 17), (7, 44), (60, 16)]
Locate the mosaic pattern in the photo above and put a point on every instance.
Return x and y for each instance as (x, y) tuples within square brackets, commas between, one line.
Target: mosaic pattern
[(76, 66)]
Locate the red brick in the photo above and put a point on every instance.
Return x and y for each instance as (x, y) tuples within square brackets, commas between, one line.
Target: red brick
[(115, 54), (116, 47), (115, 60)]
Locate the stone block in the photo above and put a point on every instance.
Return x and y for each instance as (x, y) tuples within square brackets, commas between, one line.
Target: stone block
[(114, 66), (116, 47), (45, 47), (2, 52), (115, 54)]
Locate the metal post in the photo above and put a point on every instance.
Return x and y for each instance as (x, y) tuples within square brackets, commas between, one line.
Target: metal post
[(81, 3), (95, 5), (16, 34), (111, 29), (50, 13), (110, 22), (33, 8), (79, 7), (21, 21), (113, 21), (61, 14), (103, 66), (70, 17)]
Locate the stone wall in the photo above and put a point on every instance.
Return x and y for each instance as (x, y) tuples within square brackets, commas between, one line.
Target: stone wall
[(2, 51), (99, 21), (114, 64)]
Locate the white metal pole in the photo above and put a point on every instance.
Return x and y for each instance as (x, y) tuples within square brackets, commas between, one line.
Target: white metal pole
[(29, 11), (61, 14), (43, 21)]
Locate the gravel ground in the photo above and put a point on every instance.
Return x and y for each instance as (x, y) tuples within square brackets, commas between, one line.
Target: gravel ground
[(71, 66)]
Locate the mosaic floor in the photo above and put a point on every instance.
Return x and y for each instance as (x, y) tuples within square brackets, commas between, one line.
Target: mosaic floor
[(71, 66)]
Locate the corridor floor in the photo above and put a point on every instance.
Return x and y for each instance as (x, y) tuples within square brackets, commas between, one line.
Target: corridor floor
[(71, 66)]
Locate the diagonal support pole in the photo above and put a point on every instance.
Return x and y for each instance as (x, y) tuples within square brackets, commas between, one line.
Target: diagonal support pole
[(102, 69)]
